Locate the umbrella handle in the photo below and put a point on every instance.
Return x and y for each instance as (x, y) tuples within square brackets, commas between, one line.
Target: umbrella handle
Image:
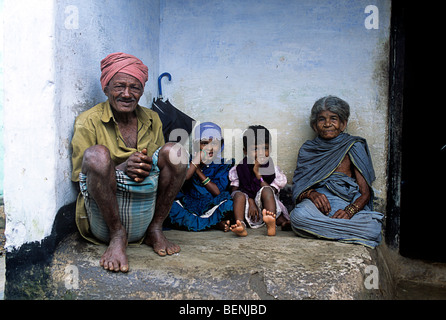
[(165, 74)]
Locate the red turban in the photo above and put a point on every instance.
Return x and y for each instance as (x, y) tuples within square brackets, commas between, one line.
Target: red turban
[(125, 63)]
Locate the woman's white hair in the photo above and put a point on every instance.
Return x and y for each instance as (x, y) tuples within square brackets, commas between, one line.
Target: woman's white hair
[(330, 103)]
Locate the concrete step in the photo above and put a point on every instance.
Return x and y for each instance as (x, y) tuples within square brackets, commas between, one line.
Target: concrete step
[(216, 265)]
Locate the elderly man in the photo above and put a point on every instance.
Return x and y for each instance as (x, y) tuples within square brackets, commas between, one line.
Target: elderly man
[(128, 177), (332, 182)]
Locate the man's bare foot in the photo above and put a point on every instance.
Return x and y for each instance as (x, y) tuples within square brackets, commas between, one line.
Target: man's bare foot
[(158, 241), (115, 257), (224, 225), (270, 220), (239, 228)]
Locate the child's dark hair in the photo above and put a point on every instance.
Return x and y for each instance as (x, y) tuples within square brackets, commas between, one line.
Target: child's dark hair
[(256, 134)]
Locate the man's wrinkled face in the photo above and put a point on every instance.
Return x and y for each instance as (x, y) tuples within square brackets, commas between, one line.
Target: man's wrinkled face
[(329, 125), (123, 92)]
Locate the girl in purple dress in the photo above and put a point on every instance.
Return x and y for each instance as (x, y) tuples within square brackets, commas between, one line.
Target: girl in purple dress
[(256, 183)]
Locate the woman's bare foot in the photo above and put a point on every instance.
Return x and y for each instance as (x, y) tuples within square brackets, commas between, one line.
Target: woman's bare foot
[(224, 225), (284, 223), (239, 228), (115, 257), (270, 220), (158, 241)]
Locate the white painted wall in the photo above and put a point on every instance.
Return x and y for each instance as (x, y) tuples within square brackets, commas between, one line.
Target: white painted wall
[(52, 70), (233, 62), (86, 32), (2, 152), (29, 122)]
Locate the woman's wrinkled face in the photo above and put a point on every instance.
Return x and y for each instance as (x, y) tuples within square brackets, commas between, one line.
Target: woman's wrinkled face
[(329, 125)]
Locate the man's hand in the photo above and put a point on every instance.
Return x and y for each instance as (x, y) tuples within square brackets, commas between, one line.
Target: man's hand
[(137, 166), (320, 201)]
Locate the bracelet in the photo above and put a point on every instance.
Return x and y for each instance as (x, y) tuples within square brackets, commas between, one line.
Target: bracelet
[(351, 209), (206, 181), (305, 194)]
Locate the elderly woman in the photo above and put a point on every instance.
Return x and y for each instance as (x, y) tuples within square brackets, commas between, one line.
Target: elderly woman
[(332, 182)]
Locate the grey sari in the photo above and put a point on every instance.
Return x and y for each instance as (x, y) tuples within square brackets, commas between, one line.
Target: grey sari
[(316, 165)]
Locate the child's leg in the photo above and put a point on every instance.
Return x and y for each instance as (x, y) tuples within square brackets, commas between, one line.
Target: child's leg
[(269, 211), (268, 200), (239, 200), (239, 228)]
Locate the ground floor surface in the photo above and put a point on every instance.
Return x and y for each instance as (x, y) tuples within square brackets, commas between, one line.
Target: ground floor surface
[(214, 265), (218, 265)]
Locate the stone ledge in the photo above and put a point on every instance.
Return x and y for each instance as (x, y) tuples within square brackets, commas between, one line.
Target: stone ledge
[(216, 265)]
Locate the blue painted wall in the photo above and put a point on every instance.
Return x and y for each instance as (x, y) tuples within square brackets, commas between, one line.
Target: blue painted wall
[(266, 62), (233, 62)]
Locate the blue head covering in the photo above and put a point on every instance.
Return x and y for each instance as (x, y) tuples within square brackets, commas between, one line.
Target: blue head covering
[(209, 130)]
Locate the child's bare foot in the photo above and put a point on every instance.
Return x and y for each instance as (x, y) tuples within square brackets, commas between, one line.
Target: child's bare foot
[(224, 225), (270, 220), (239, 228)]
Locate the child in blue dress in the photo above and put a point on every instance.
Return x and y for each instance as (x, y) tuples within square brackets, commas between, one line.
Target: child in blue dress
[(205, 201)]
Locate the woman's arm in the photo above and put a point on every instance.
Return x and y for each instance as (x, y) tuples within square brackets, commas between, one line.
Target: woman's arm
[(360, 202)]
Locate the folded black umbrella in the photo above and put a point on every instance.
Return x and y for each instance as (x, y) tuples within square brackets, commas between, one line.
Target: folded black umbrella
[(171, 117)]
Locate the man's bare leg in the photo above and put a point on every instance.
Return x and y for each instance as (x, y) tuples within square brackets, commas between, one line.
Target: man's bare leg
[(172, 162), (101, 185)]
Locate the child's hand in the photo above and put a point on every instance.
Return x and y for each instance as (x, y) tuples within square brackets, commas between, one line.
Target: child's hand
[(253, 212), (197, 158), (200, 157), (256, 169), (204, 156)]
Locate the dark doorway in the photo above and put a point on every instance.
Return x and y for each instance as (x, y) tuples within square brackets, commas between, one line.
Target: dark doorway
[(418, 96)]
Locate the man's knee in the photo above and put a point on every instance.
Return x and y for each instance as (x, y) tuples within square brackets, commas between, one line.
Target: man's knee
[(96, 158), (173, 155)]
